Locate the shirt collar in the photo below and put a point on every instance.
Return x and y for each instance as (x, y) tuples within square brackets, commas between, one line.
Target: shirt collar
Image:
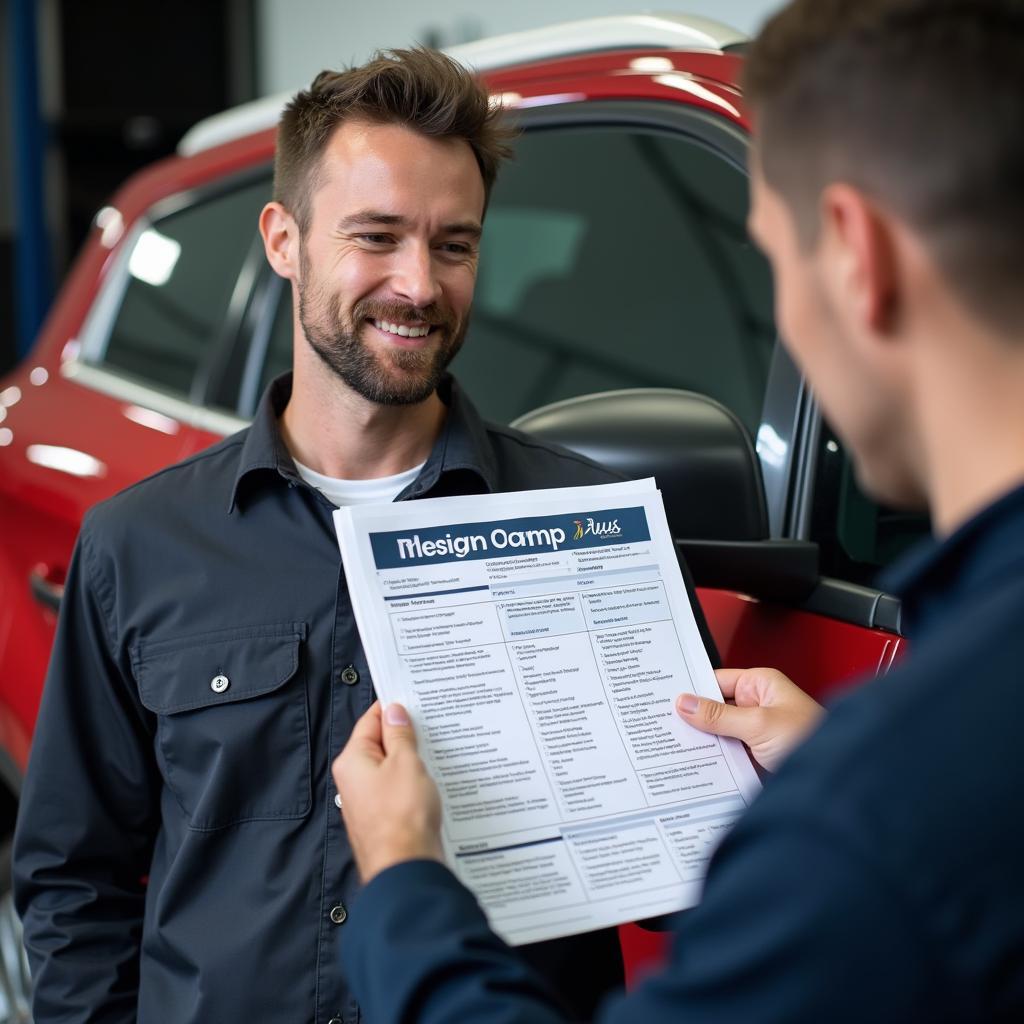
[(938, 575), (463, 444)]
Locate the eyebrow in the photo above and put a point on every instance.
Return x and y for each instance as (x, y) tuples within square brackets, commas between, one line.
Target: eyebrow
[(370, 218)]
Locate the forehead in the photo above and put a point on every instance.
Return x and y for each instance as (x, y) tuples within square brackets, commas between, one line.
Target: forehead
[(397, 170)]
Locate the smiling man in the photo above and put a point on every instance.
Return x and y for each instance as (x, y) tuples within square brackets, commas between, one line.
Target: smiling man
[(878, 876), (180, 858)]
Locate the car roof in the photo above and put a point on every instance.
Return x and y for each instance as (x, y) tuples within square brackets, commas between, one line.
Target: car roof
[(551, 42)]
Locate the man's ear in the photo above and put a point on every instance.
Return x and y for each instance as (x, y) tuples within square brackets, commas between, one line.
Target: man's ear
[(280, 240), (860, 252)]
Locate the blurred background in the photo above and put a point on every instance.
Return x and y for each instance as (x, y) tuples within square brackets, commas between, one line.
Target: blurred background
[(91, 90)]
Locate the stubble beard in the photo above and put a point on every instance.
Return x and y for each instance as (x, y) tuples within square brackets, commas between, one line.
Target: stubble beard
[(396, 377)]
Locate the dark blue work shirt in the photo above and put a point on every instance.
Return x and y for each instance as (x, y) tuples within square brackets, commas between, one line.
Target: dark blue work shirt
[(179, 856), (879, 876)]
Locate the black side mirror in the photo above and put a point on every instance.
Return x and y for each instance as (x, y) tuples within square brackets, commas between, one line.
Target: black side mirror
[(706, 466)]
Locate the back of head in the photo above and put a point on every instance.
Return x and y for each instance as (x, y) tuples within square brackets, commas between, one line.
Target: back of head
[(419, 88), (920, 105)]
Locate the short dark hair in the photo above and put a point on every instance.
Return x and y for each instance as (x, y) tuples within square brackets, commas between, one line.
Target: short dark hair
[(918, 103), (419, 88)]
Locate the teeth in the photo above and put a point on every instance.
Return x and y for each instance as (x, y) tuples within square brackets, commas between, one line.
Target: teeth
[(401, 330)]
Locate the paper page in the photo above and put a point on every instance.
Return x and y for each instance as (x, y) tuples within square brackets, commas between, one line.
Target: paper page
[(539, 640)]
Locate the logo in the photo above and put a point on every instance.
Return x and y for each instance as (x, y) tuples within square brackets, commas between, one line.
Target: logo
[(591, 528)]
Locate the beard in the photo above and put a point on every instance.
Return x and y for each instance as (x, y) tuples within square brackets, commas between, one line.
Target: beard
[(394, 377)]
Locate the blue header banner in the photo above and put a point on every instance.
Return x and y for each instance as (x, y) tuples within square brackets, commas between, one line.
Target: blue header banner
[(509, 537)]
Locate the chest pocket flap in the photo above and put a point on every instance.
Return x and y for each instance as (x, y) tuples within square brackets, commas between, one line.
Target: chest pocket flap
[(216, 668), (233, 722)]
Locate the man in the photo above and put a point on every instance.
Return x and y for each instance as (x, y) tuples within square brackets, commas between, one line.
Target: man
[(878, 877), (179, 856)]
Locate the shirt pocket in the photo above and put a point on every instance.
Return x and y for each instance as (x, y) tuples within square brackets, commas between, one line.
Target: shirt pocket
[(232, 722)]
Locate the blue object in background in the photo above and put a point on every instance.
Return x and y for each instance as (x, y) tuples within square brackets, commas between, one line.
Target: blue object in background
[(33, 277)]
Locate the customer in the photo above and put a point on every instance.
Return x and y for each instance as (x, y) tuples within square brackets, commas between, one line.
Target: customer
[(179, 856)]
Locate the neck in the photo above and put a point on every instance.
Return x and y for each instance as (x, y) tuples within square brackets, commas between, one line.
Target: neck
[(971, 418), (336, 432)]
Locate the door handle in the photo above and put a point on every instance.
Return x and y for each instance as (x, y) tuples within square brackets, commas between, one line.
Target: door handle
[(45, 590)]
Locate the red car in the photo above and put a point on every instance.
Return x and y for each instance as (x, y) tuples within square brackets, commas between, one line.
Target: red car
[(615, 256)]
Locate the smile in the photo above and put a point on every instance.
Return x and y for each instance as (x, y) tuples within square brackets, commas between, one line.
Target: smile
[(402, 330)]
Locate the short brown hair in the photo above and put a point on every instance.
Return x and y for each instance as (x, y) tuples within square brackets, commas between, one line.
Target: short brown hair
[(419, 88), (918, 103)]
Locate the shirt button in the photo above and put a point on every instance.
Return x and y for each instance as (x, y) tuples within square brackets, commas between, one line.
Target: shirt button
[(335, 1020), (339, 915), (337, 800), (219, 684), (349, 676)]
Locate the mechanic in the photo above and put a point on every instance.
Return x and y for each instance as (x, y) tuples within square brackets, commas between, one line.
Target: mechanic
[(179, 856), (878, 876)]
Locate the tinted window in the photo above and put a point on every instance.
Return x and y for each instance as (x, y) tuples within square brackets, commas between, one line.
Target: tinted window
[(182, 271), (858, 537), (617, 258)]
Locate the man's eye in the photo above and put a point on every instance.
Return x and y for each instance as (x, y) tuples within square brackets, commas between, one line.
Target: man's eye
[(375, 239), (457, 248)]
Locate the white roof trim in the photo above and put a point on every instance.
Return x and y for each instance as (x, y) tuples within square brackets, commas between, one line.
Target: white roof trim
[(619, 32), (634, 31)]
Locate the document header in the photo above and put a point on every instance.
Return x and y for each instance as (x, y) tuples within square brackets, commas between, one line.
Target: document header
[(468, 541)]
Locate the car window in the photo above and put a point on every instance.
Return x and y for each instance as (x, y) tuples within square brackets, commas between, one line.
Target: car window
[(182, 271), (611, 258), (857, 536)]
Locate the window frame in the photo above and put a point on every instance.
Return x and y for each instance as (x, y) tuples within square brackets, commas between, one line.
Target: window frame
[(194, 407)]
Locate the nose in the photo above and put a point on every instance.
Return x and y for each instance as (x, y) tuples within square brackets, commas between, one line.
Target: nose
[(415, 277)]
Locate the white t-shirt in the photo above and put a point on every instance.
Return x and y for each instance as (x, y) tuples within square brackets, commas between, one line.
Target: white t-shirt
[(359, 492)]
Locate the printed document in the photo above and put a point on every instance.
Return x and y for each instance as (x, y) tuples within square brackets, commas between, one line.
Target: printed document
[(539, 640)]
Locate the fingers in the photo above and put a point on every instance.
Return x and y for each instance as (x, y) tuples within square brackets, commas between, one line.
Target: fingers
[(718, 718), (727, 679), (367, 736), (398, 730), (754, 687)]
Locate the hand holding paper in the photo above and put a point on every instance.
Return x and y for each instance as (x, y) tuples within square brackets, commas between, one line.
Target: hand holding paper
[(769, 713), (390, 804)]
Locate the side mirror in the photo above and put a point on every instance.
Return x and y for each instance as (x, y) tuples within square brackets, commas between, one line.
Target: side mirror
[(708, 471)]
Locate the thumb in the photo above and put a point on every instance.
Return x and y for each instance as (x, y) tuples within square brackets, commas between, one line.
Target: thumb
[(399, 733), (717, 717)]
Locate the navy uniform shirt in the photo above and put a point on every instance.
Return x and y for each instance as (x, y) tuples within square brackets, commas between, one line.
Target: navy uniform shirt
[(879, 876), (179, 857)]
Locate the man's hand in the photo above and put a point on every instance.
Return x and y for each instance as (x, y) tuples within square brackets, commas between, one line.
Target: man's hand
[(769, 713), (390, 804)]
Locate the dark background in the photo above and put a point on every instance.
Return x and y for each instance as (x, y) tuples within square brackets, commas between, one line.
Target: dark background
[(120, 83)]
